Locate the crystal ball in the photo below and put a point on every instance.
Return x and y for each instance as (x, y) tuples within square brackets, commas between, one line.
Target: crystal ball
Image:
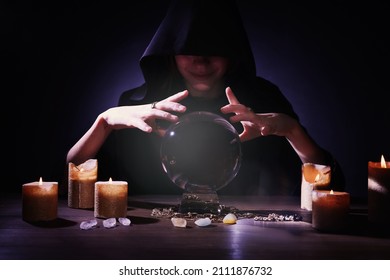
[(201, 151)]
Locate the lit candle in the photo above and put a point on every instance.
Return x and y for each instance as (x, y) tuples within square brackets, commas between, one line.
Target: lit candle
[(81, 184), (379, 191), (314, 177), (330, 210), (39, 201), (110, 199)]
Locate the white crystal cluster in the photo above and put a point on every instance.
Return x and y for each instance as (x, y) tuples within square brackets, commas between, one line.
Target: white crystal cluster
[(88, 224), (107, 223), (124, 221)]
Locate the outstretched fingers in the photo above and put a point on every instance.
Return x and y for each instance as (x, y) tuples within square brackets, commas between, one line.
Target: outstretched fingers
[(242, 114), (231, 97), (178, 96), (171, 103), (240, 111)]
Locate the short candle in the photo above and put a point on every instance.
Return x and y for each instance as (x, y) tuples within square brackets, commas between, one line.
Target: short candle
[(379, 192), (314, 177), (39, 201), (111, 199), (330, 210), (81, 184)]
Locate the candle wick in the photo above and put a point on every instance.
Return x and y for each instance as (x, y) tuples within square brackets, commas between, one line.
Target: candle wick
[(77, 168)]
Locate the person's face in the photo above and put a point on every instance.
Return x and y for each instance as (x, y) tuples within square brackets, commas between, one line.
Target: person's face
[(202, 74)]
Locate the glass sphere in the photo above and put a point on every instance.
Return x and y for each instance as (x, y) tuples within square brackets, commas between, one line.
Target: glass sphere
[(201, 151)]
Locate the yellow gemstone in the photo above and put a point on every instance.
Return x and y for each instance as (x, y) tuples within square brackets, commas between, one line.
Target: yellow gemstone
[(230, 219)]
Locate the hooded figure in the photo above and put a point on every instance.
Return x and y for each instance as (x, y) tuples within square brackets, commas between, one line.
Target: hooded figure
[(204, 28)]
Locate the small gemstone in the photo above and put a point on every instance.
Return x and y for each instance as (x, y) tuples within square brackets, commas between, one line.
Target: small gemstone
[(85, 225), (124, 221), (109, 223), (203, 222), (179, 222), (230, 219)]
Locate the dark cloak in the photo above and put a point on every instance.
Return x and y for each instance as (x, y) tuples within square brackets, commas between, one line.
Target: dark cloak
[(201, 27)]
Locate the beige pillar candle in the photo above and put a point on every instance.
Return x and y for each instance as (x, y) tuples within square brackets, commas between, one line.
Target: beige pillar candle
[(330, 210), (39, 201), (379, 192), (111, 199), (314, 177), (81, 184)]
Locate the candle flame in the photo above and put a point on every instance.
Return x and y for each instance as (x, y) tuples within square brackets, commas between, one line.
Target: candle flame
[(40, 181), (110, 181), (317, 178), (383, 162), (331, 192)]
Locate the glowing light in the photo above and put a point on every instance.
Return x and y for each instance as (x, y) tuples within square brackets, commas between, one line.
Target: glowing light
[(383, 162)]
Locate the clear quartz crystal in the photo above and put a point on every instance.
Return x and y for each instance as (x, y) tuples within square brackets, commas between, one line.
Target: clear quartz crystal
[(109, 223), (85, 225), (124, 221), (179, 222)]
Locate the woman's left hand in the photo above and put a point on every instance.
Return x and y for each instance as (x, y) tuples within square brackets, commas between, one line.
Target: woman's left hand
[(257, 125)]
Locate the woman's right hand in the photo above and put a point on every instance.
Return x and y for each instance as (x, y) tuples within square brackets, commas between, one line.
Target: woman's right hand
[(144, 116)]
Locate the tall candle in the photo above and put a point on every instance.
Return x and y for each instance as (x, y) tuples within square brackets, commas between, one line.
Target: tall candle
[(314, 177), (81, 184), (379, 192), (39, 201), (111, 199), (330, 210)]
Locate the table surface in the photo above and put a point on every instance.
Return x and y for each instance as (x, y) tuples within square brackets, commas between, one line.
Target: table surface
[(150, 237)]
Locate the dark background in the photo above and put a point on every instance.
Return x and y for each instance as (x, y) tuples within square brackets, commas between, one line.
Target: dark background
[(64, 62)]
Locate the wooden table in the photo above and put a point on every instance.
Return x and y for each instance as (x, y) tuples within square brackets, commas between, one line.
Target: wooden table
[(150, 237)]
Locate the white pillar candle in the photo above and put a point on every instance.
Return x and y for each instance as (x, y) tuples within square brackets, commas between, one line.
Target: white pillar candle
[(330, 210), (314, 177), (81, 184), (39, 201), (111, 199)]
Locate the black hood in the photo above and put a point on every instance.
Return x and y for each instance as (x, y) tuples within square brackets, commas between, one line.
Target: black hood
[(198, 27)]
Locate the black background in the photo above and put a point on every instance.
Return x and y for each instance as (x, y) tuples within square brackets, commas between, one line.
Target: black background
[(64, 62)]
